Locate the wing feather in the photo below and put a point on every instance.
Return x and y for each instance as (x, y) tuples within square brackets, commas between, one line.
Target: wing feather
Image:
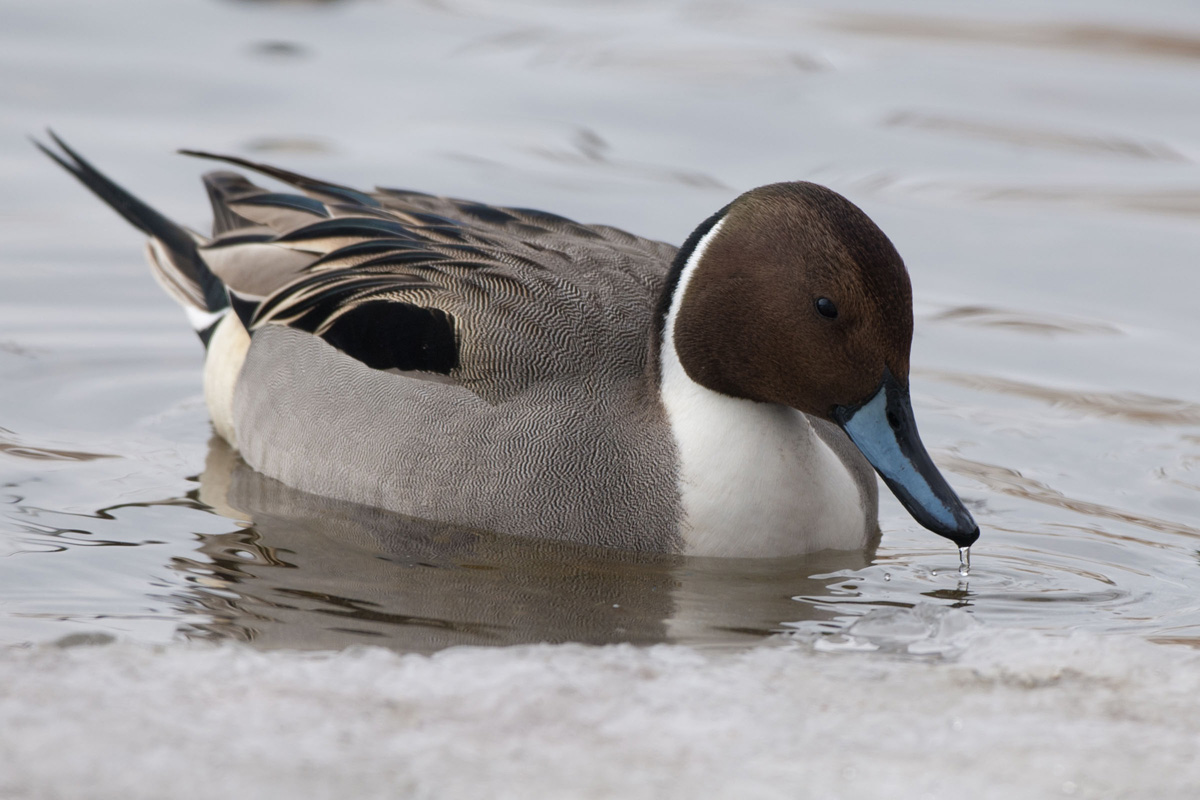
[(494, 298)]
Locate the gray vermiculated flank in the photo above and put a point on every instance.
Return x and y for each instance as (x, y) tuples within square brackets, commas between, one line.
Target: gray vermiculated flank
[(561, 461), (549, 423)]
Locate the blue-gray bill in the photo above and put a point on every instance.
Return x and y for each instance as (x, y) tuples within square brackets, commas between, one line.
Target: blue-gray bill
[(884, 430)]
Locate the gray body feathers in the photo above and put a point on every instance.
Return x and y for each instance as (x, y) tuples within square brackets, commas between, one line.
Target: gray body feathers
[(493, 368), (483, 366)]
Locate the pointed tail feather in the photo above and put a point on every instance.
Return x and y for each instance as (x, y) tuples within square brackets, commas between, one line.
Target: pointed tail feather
[(311, 186), (172, 250)]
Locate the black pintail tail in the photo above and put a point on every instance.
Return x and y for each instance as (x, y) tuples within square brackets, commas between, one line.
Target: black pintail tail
[(173, 250)]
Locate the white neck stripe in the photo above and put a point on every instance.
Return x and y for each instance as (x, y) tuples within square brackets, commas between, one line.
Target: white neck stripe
[(685, 279)]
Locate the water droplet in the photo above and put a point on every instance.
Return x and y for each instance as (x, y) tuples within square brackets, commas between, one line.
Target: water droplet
[(964, 561), (933, 573), (887, 576)]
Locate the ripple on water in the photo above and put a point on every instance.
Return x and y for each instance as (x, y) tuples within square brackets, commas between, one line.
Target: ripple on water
[(1024, 321), (1107, 40), (243, 557), (1088, 498), (1028, 136)]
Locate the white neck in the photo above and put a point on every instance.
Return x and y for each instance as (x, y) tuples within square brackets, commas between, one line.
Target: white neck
[(754, 478)]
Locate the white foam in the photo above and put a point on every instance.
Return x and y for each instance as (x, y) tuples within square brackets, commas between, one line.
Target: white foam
[(1015, 714)]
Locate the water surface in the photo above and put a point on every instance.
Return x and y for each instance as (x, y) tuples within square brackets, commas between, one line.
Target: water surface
[(1035, 166)]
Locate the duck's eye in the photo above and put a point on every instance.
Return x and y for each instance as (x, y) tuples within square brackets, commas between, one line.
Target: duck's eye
[(826, 308)]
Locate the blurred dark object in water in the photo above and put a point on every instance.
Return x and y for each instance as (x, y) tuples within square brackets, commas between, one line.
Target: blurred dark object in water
[(277, 48), (287, 144), (289, 2)]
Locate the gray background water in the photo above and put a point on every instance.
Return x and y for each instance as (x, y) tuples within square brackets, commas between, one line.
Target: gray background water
[(1035, 164)]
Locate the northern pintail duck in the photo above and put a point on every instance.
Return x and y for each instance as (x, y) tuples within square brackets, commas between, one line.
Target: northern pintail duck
[(515, 371)]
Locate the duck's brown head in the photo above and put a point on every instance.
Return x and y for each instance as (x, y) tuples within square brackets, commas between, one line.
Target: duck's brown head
[(792, 295)]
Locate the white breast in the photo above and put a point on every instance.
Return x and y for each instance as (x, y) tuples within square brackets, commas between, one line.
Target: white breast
[(754, 478)]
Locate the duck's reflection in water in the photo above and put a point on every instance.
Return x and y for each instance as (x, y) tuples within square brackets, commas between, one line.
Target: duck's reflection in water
[(313, 573)]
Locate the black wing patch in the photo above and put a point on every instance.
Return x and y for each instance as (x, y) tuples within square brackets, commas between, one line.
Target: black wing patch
[(385, 334), (361, 313)]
